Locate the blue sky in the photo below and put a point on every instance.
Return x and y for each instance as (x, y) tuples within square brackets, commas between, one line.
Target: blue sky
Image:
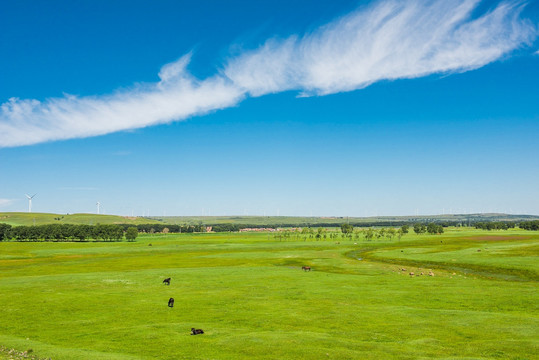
[(342, 108)]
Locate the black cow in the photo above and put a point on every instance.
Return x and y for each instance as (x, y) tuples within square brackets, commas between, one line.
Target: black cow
[(196, 331), (171, 302), (166, 281)]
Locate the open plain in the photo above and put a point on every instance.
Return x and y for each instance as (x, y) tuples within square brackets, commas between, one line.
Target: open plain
[(473, 295)]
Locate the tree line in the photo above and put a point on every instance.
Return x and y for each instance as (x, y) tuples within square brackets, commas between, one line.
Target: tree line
[(155, 228), (99, 232), (529, 225), (117, 232), (234, 227), (68, 232), (433, 227), (349, 233), (387, 223), (430, 228), (496, 225)]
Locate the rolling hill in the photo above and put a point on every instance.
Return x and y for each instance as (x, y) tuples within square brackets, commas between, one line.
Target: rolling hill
[(24, 218)]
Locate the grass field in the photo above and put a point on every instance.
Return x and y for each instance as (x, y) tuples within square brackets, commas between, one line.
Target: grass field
[(24, 218), (249, 294)]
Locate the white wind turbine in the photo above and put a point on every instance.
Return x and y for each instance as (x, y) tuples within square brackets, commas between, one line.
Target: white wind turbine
[(30, 201), (98, 205)]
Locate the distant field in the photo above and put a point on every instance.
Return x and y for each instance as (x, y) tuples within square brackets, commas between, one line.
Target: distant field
[(24, 218), (336, 221), (250, 296)]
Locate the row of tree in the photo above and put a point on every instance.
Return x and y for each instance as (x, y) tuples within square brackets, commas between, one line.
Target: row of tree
[(231, 227), (236, 226), (347, 228), (162, 228), (495, 225), (347, 232), (100, 232), (529, 225), (431, 228), (116, 232), (67, 232)]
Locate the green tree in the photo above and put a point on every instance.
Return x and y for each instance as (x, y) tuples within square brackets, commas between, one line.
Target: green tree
[(369, 234), (433, 228), (420, 228), (440, 229), (529, 225), (4, 231), (131, 233), (404, 229), (347, 228), (400, 232)]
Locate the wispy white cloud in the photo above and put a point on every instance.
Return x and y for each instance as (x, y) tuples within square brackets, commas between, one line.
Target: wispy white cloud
[(384, 41), (5, 202), (177, 96), (391, 40)]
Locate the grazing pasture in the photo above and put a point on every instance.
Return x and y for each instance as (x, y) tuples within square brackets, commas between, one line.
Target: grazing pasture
[(252, 299)]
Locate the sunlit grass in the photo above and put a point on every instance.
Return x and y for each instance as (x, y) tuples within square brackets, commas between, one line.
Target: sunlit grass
[(249, 294), (25, 218)]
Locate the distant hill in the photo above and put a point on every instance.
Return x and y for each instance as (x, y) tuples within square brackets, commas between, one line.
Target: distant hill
[(25, 218), (335, 221)]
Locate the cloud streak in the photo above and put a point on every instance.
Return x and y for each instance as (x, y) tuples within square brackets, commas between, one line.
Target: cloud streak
[(387, 40), (5, 202)]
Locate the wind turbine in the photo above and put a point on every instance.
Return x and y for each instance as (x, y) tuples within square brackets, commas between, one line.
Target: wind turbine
[(30, 201), (98, 205)]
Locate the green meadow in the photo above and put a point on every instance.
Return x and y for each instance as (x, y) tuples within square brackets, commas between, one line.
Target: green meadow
[(248, 293), (25, 218)]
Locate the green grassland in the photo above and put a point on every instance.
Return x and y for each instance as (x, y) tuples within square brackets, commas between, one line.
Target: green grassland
[(24, 218), (249, 294)]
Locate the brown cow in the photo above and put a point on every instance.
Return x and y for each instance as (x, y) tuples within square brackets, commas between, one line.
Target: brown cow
[(306, 268)]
